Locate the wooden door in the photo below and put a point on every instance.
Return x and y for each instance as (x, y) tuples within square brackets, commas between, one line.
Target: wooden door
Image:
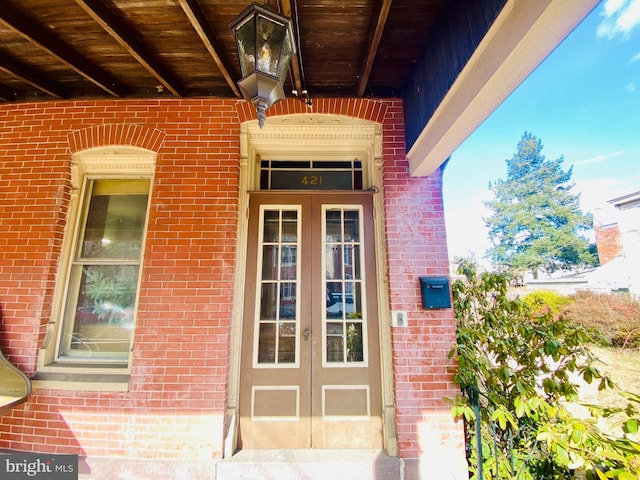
[(310, 371)]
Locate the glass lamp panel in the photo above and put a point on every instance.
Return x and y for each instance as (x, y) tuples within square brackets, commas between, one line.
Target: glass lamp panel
[(285, 58), (269, 40), (245, 40)]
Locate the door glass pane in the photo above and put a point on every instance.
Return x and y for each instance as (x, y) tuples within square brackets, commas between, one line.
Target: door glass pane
[(352, 226), (268, 301), (271, 232), (277, 323), (269, 262), (333, 226), (344, 317), (333, 259)]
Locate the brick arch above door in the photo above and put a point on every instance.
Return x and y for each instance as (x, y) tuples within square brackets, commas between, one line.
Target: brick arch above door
[(116, 134), (360, 108)]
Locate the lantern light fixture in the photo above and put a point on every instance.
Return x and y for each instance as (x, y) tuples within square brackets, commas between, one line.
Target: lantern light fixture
[(265, 45)]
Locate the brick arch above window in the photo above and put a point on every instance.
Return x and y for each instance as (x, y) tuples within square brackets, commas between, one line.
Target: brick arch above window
[(116, 134)]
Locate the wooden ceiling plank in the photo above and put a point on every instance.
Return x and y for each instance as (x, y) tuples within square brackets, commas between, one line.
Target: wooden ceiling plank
[(17, 70), (375, 37), (121, 32), (295, 58), (63, 52), (195, 14)]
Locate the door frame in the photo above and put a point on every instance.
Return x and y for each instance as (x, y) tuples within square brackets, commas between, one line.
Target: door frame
[(316, 136)]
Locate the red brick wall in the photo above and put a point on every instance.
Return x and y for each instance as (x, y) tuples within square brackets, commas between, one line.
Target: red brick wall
[(416, 246), (180, 366)]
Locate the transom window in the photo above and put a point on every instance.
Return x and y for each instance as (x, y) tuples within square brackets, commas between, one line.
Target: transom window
[(311, 175)]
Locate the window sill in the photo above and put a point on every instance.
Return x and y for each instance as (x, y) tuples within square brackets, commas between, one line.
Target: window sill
[(84, 378)]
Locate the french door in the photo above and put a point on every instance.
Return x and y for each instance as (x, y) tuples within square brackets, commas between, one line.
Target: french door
[(310, 361)]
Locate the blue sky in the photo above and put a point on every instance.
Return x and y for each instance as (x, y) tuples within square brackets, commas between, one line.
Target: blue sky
[(582, 102)]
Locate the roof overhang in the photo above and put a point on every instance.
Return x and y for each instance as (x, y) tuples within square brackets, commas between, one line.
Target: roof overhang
[(523, 35)]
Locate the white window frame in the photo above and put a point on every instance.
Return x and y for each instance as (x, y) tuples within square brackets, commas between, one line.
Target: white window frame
[(112, 163)]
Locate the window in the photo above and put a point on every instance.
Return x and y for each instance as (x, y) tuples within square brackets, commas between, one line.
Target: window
[(103, 281), (91, 329)]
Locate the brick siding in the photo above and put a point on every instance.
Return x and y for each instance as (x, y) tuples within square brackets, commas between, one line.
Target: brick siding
[(181, 355)]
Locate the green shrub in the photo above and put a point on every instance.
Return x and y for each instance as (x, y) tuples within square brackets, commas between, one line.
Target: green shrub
[(546, 301), (615, 317)]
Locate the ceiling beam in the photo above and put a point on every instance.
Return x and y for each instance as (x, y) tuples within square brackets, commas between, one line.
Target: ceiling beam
[(17, 70), (201, 25), (61, 51), (374, 43), (122, 33), (295, 58)]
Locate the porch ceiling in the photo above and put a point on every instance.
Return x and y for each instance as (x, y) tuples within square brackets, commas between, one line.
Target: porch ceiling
[(84, 49)]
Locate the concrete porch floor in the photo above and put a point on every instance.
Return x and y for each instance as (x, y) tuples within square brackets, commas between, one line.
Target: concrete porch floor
[(253, 465)]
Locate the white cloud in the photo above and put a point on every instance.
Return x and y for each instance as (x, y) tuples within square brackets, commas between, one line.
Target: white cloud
[(635, 58), (599, 158), (595, 193), (620, 18), (631, 87)]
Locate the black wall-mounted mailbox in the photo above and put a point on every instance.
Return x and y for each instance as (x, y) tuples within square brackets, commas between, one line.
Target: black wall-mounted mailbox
[(435, 292)]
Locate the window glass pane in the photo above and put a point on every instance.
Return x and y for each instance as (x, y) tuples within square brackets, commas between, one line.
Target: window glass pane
[(333, 226), (115, 220), (102, 322)]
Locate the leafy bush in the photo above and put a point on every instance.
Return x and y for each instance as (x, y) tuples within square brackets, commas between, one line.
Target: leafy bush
[(546, 301), (517, 371), (616, 317)]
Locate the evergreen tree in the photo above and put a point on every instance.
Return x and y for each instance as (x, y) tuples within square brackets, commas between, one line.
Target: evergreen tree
[(536, 222)]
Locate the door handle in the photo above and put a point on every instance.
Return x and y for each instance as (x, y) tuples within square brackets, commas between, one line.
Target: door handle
[(306, 334)]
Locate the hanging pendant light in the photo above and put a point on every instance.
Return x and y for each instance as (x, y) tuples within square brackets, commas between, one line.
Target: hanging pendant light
[(265, 44)]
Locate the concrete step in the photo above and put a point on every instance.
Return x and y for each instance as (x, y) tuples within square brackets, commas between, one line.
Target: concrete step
[(309, 465)]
